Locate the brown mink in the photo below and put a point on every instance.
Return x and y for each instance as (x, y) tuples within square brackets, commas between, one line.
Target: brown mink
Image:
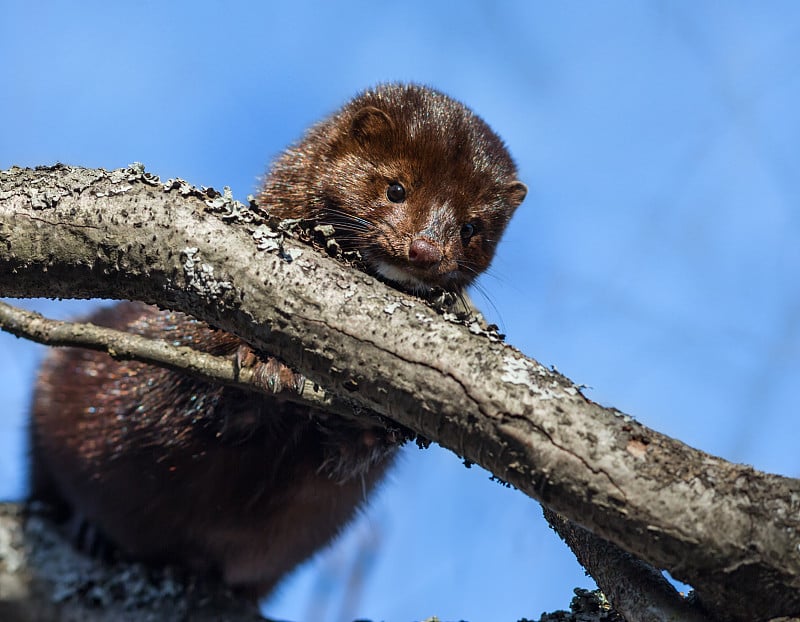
[(170, 469)]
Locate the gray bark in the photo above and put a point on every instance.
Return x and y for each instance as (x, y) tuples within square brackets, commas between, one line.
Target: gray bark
[(726, 529), (43, 579)]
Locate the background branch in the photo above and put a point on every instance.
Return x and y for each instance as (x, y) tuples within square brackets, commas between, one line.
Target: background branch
[(43, 578), (728, 530), (637, 589)]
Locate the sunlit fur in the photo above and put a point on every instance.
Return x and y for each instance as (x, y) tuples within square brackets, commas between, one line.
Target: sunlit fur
[(454, 168)]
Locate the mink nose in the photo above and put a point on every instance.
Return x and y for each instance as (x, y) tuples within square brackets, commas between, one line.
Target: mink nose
[(423, 253)]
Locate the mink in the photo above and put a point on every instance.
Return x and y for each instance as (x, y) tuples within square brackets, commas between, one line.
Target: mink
[(223, 482)]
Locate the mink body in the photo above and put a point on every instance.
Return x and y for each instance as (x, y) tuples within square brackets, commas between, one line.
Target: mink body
[(170, 469)]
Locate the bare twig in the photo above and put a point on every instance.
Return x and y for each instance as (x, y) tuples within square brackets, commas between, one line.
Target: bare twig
[(121, 345)]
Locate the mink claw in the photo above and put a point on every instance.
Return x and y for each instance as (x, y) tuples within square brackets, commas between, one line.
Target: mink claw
[(268, 374)]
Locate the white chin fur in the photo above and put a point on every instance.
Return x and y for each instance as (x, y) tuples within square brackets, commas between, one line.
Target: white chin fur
[(401, 277)]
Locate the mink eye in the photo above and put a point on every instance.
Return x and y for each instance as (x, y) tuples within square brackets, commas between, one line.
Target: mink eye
[(468, 230), (396, 193)]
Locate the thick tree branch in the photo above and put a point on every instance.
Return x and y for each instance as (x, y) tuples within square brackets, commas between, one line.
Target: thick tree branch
[(635, 588), (730, 531)]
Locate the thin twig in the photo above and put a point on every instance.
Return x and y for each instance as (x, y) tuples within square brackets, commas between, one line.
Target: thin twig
[(121, 346)]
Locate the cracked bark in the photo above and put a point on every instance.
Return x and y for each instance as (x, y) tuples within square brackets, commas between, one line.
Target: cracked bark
[(726, 529)]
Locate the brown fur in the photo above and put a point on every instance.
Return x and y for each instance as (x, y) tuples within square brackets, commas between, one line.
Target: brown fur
[(172, 469), (455, 169)]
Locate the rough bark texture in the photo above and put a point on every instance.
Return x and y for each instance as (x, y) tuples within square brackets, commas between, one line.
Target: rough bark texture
[(637, 589), (728, 530), (43, 579)]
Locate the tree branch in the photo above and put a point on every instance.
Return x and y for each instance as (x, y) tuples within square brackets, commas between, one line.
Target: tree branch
[(43, 578), (121, 345), (728, 530), (637, 589)]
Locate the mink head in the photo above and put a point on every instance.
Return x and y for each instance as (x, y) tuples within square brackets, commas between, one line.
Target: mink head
[(411, 178)]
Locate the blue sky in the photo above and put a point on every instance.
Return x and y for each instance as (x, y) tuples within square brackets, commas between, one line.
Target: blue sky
[(656, 258)]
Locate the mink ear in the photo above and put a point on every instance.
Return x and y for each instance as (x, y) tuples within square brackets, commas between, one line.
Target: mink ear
[(516, 192), (370, 123)]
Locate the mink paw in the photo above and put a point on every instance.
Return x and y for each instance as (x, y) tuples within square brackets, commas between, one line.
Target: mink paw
[(268, 373)]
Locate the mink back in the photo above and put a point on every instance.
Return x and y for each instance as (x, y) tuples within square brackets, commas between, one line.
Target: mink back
[(169, 469)]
